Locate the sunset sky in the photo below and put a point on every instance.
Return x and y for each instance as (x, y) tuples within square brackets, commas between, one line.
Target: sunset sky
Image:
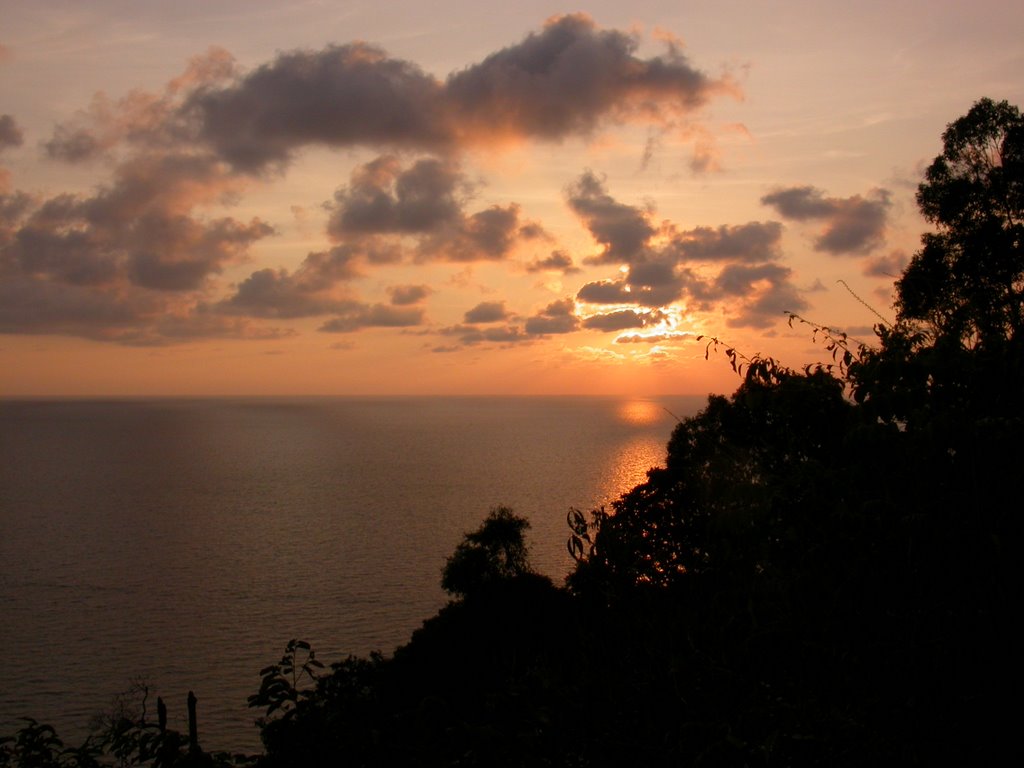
[(333, 197)]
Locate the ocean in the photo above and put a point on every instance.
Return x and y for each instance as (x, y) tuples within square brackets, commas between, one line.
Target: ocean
[(180, 543)]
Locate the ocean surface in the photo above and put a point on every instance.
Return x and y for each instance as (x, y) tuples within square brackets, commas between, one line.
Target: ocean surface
[(183, 542)]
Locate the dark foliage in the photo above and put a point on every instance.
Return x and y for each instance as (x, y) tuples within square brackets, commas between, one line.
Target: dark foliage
[(493, 553)]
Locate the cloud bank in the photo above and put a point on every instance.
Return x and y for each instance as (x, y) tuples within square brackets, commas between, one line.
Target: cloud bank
[(151, 256)]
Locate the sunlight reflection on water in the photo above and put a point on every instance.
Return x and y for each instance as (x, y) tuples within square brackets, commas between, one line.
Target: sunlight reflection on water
[(630, 464), (640, 412)]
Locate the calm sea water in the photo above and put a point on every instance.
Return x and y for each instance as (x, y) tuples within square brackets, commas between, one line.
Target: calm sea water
[(184, 542)]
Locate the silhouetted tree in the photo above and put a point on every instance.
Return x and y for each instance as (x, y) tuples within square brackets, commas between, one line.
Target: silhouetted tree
[(967, 282), (856, 557), (956, 349), (743, 480), (495, 552)]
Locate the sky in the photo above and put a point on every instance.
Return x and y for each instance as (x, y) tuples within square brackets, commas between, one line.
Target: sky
[(263, 197)]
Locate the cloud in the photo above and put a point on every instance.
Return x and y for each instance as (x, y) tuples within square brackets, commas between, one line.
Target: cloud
[(730, 266), (275, 293), (306, 292), (403, 295), (341, 96), (652, 338), (141, 230), (10, 133), (621, 320), (487, 312), (487, 235), (140, 260), (558, 261), (141, 120), (382, 198), (471, 335), (890, 265), (563, 81), (655, 283), (420, 209), (29, 305), (752, 242), (179, 253), (567, 78), (622, 229), (358, 316), (135, 261), (766, 290), (647, 284), (556, 317), (851, 225), (605, 292)]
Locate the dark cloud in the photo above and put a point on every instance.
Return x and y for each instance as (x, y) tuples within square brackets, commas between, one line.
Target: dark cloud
[(385, 203), (173, 329), (647, 284), (766, 290), (487, 235), (471, 334), (652, 338), (341, 96), (622, 229), (891, 265), (29, 305), (800, 203), (320, 270), (403, 295), (384, 199), (852, 225), (141, 229), (304, 292), (728, 266), (621, 320), (566, 78), (534, 231), (359, 316), (179, 253), (48, 244), (74, 144), (10, 133), (131, 263), (605, 292), (275, 293), (562, 81), (556, 317), (654, 283), (13, 207), (487, 312), (738, 279), (558, 261), (752, 242)]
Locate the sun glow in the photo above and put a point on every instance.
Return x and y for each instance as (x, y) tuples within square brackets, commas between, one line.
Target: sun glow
[(640, 412)]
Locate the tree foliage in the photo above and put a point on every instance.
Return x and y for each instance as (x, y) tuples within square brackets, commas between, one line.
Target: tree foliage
[(876, 529), (493, 553), (966, 282)]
